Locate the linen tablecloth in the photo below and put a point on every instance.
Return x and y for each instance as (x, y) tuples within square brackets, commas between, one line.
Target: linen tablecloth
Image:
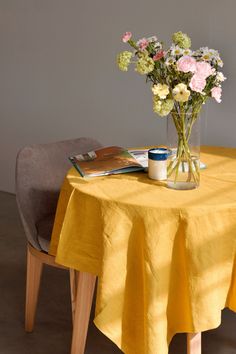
[(165, 259)]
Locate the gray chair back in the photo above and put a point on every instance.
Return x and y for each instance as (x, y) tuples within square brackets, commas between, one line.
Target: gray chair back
[(40, 171)]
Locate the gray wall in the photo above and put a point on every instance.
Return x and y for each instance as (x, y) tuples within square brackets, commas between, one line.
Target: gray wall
[(59, 80)]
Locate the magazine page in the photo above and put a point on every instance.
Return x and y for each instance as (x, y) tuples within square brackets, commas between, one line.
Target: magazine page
[(108, 160), (141, 155)]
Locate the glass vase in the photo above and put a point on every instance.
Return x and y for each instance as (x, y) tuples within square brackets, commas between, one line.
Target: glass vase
[(183, 140)]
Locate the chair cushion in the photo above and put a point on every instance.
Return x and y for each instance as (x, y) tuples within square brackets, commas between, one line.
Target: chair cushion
[(44, 231)]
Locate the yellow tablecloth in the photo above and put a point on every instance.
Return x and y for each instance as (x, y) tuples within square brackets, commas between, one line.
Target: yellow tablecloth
[(165, 258)]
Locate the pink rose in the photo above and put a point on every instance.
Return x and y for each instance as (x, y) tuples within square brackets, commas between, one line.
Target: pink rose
[(159, 55), (186, 64), (126, 36), (203, 69), (197, 83), (216, 93), (143, 43)]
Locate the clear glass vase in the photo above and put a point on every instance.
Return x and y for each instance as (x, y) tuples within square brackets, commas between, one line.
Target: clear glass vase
[(183, 140)]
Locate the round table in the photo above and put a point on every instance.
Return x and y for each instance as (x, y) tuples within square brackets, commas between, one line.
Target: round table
[(165, 259)]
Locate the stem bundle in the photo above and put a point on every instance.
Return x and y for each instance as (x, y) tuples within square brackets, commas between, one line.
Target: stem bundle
[(184, 161)]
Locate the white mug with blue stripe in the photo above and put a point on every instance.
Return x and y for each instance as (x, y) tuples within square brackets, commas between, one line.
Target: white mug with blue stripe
[(157, 163)]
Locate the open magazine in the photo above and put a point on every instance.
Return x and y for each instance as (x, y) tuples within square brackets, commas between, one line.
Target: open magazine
[(113, 160), (105, 161), (141, 155)]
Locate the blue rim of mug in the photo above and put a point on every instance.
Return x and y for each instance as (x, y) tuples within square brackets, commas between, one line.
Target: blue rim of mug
[(158, 154)]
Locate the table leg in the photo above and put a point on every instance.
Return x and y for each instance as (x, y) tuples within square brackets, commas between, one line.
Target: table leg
[(194, 343), (83, 303)]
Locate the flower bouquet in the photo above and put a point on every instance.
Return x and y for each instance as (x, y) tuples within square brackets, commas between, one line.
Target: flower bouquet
[(182, 81)]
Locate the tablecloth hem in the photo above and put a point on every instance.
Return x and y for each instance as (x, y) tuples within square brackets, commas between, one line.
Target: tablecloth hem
[(116, 341), (107, 333), (200, 329)]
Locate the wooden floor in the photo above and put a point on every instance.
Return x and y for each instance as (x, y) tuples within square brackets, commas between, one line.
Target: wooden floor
[(52, 333)]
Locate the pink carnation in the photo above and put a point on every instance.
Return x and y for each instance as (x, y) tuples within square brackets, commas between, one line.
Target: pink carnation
[(186, 64), (216, 93), (197, 83), (126, 36), (203, 69), (159, 55), (143, 43)]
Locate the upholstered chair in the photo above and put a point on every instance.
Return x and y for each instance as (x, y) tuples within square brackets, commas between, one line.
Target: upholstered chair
[(40, 171)]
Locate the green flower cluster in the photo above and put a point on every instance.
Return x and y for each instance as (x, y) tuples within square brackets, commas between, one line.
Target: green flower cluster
[(162, 107), (123, 60), (145, 65), (182, 40)]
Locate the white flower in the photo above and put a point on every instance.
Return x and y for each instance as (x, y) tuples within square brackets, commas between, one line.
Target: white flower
[(220, 63), (152, 39), (170, 61), (206, 56), (204, 49), (176, 50), (197, 53), (155, 43), (220, 77), (160, 90), (181, 93), (187, 52), (201, 51), (158, 45), (214, 53)]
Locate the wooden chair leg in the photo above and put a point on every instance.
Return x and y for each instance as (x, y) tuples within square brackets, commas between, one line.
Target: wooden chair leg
[(34, 271), (194, 343), (84, 298), (73, 289)]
